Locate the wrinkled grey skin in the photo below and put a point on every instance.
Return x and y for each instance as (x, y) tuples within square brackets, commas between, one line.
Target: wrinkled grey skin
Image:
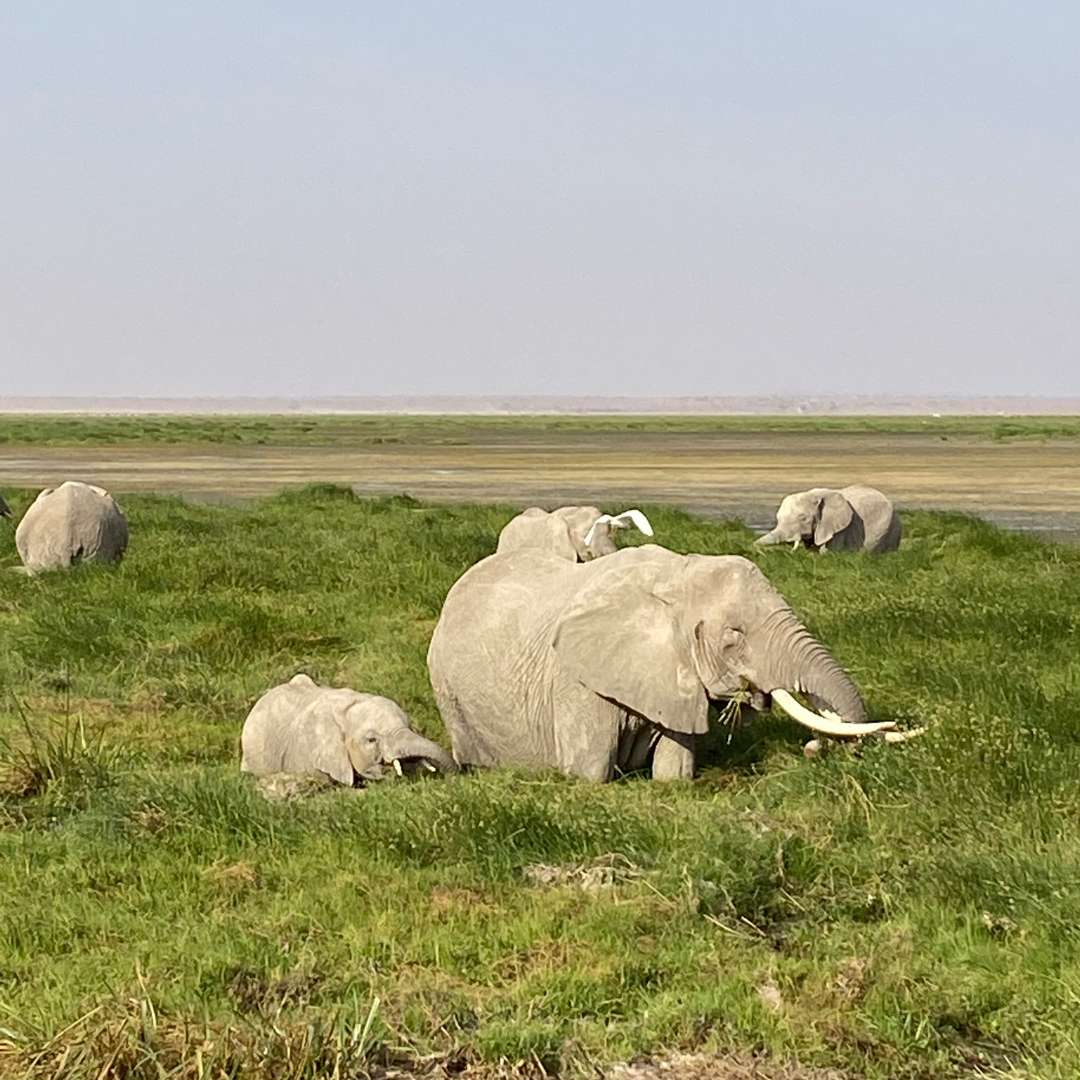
[(561, 533), (597, 668), (70, 523), (856, 518), (300, 727)]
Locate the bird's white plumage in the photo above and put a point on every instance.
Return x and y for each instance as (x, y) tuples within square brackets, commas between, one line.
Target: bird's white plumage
[(635, 518), (621, 521)]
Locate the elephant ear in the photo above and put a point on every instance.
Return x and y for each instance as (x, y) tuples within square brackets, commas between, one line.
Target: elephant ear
[(319, 742), (834, 515), (623, 642)]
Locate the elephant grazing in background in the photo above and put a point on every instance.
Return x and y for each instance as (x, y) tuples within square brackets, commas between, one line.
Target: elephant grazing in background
[(601, 667), (575, 533), (71, 523), (300, 727), (856, 518)]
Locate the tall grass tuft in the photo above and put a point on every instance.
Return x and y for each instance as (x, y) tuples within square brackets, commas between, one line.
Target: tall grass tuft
[(142, 1044), (58, 760)]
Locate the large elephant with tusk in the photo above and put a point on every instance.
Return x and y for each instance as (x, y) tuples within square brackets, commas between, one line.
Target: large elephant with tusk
[(574, 533), (607, 666), (301, 727)]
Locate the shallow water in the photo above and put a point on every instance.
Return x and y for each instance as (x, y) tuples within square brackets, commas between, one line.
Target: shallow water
[(1026, 485)]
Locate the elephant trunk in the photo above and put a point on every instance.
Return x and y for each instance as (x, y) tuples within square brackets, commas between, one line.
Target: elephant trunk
[(809, 668), (830, 685), (768, 539), (408, 744)]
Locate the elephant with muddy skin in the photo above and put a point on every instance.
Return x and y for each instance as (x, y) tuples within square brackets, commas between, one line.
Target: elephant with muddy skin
[(608, 666), (575, 533), (856, 518), (301, 727)]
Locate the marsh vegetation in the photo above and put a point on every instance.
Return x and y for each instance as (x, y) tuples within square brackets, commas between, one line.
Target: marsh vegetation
[(910, 911), (1019, 471), (343, 430)]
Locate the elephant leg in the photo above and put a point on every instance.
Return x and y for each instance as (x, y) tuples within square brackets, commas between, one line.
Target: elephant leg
[(593, 768), (462, 745), (673, 758), (586, 734)]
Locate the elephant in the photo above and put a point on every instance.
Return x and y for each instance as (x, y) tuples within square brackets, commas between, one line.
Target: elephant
[(574, 533), (72, 522), (856, 518), (301, 727), (598, 668)]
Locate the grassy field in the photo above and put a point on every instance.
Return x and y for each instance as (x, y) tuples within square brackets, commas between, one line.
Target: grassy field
[(894, 911), (365, 430)]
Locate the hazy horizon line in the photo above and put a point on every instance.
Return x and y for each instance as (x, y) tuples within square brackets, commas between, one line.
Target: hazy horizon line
[(538, 404)]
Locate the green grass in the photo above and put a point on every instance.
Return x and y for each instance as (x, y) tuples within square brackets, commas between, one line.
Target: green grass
[(898, 911), (346, 430)]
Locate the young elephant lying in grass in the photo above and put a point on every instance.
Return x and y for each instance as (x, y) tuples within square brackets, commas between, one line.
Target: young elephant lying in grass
[(300, 727)]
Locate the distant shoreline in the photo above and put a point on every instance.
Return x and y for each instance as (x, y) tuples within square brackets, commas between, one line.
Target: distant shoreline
[(541, 405)]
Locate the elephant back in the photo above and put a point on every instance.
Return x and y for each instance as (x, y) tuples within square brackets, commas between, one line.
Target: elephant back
[(880, 522), (72, 522)]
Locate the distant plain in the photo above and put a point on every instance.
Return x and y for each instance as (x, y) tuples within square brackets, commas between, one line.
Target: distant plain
[(1021, 472)]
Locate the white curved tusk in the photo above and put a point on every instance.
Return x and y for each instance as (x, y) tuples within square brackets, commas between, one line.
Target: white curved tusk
[(397, 767), (838, 729), (429, 766), (903, 736), (888, 736), (635, 518)]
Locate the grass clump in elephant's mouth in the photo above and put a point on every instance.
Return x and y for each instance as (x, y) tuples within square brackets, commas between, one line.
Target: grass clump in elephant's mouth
[(890, 911)]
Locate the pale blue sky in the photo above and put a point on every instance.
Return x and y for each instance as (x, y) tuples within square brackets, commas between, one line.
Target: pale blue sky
[(587, 197)]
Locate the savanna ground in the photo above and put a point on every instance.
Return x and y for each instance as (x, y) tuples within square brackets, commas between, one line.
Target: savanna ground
[(886, 911), (1023, 472)]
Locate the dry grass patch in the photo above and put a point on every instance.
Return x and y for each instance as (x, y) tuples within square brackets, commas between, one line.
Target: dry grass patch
[(603, 872)]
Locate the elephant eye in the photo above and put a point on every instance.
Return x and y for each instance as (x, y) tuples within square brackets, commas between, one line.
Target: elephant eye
[(372, 739)]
